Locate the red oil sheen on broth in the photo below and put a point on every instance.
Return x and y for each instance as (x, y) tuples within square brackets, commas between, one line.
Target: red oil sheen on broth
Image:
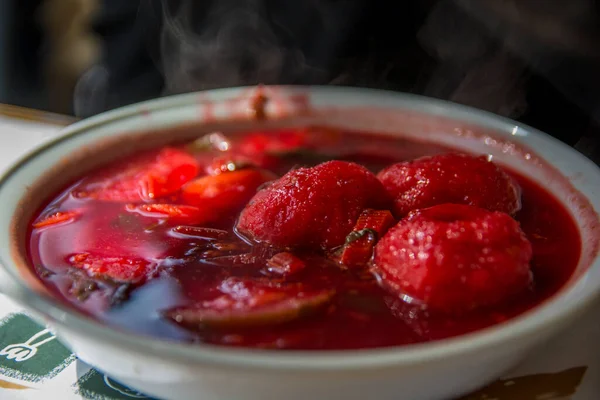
[(160, 259)]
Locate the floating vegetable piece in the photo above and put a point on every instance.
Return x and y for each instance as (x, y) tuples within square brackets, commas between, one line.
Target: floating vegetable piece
[(229, 163), (118, 269), (285, 264), (171, 212), (146, 177), (378, 221), (358, 249), (263, 308), (198, 232), (118, 234), (371, 225), (224, 193), (218, 155), (168, 174), (82, 284), (262, 150), (57, 218)]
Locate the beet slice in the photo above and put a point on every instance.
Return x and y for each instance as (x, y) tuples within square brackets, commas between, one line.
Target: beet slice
[(57, 218), (147, 176), (173, 213), (119, 269), (370, 227), (285, 264), (271, 308)]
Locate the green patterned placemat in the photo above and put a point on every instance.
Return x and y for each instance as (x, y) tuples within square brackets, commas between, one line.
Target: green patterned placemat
[(96, 386), (32, 360), (30, 352), (31, 355)]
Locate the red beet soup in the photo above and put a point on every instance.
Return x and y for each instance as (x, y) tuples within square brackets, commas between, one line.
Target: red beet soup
[(286, 239)]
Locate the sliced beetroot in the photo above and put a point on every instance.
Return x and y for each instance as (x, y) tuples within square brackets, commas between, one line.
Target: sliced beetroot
[(120, 235), (197, 232), (173, 213), (218, 258), (230, 162), (277, 308), (247, 304), (144, 177), (216, 154), (57, 218), (378, 221), (117, 269), (371, 225), (225, 193), (215, 141), (285, 264), (358, 250)]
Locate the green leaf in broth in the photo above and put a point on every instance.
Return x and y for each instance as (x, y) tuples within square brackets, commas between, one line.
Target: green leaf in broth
[(355, 235)]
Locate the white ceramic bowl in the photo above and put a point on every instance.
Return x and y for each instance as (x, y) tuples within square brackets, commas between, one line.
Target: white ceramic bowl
[(438, 370)]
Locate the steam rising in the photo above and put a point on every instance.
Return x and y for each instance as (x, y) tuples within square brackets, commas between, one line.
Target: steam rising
[(554, 38), (234, 44), (482, 48), (473, 69), (476, 52)]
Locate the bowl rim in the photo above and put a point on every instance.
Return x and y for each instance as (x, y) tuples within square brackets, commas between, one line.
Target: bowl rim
[(538, 318)]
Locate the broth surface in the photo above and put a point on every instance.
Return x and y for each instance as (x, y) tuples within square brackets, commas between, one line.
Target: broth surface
[(361, 315)]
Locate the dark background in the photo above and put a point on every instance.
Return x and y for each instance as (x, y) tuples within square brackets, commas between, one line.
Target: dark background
[(544, 77), (21, 55)]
